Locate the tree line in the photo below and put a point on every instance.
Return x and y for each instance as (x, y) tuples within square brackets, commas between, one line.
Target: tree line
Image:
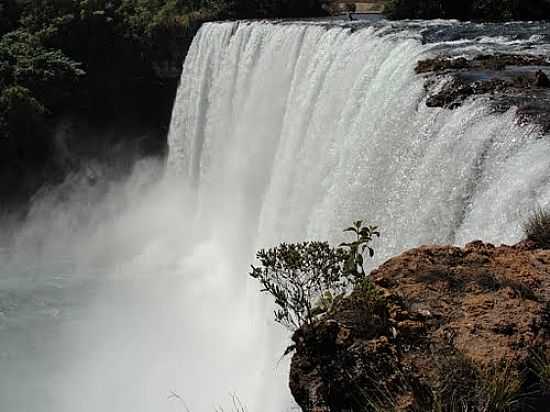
[(478, 10), (103, 59)]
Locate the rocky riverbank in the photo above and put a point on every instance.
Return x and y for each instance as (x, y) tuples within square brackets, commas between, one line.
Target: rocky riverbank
[(446, 329)]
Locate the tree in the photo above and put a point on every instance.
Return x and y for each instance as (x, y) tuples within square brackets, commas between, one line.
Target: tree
[(8, 16), (48, 73), (124, 56), (21, 126), (484, 10)]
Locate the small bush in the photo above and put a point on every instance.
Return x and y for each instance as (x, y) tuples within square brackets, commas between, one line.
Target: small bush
[(299, 275), (537, 228), (503, 389), (459, 384), (485, 10), (307, 278)]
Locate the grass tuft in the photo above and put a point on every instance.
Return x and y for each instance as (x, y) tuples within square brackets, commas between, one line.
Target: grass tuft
[(540, 366), (537, 228), (503, 389)]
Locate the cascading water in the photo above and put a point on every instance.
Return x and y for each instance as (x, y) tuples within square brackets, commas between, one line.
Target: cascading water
[(134, 296), (299, 129)]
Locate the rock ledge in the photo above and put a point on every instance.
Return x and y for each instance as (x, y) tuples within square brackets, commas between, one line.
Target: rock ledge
[(446, 325)]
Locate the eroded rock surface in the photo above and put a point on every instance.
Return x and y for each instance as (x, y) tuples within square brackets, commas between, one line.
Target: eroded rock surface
[(446, 325)]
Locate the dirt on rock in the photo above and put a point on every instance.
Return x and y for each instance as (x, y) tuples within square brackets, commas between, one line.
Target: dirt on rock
[(445, 327)]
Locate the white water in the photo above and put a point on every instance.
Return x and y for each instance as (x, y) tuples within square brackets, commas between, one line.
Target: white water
[(299, 129), (113, 298)]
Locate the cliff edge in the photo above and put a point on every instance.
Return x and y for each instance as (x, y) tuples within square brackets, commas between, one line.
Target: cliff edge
[(443, 329)]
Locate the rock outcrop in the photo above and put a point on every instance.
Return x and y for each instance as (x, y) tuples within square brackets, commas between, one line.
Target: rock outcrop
[(442, 329), (506, 80)]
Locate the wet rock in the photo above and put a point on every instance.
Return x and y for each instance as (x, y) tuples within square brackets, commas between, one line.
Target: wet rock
[(481, 62), (505, 80), (458, 90), (440, 64)]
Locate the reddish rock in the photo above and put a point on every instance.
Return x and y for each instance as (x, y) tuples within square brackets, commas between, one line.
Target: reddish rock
[(441, 313)]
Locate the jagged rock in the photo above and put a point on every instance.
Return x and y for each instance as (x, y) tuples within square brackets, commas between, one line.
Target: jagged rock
[(482, 62), (506, 80), (446, 323), (440, 64), (458, 90)]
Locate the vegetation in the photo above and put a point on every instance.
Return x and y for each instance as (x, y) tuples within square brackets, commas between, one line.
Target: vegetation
[(459, 386), (537, 228), (485, 10), (464, 387), (502, 389), (33, 78), (102, 61), (307, 278), (540, 367)]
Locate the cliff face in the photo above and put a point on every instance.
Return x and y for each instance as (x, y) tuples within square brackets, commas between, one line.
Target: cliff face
[(449, 329)]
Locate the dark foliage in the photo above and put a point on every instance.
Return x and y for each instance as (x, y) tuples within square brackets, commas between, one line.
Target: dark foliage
[(274, 8), (9, 13), (540, 367), (463, 386), (106, 62), (484, 10)]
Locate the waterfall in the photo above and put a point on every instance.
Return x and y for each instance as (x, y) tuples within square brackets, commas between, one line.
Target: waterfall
[(134, 295), (288, 132), (298, 129)]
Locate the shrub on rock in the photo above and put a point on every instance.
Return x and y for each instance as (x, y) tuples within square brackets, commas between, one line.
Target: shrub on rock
[(537, 228), (307, 278)]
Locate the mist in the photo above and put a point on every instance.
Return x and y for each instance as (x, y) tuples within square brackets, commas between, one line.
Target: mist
[(112, 299)]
